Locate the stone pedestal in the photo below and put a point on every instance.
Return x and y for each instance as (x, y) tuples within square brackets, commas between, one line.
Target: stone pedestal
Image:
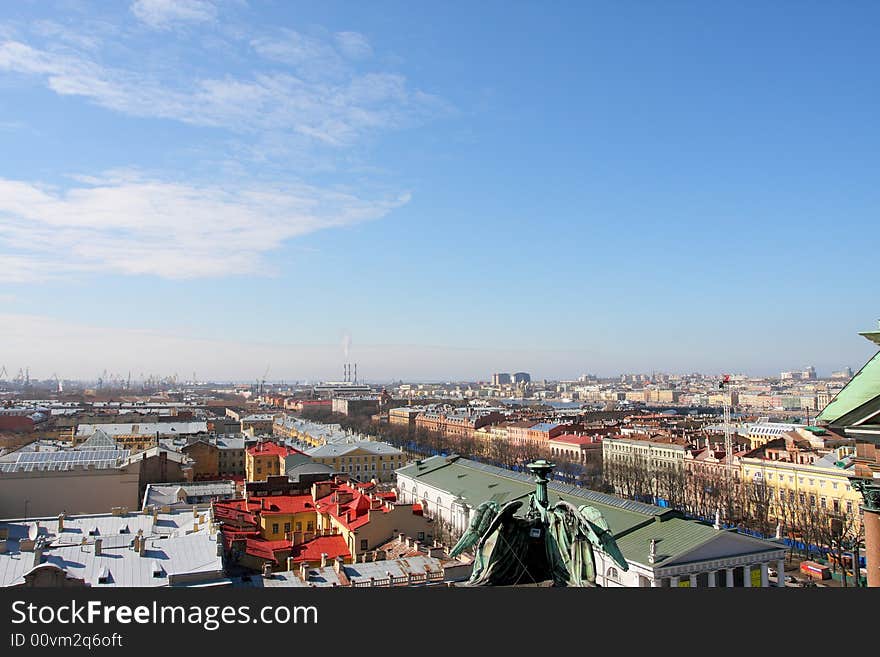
[(872, 546)]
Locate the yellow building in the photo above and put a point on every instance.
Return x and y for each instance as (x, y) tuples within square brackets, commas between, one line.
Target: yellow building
[(265, 460), (364, 459), (821, 484)]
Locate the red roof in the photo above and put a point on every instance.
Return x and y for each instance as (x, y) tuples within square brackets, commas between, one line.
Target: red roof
[(353, 513), (266, 549), (265, 505), (333, 546), (269, 447), (287, 504)]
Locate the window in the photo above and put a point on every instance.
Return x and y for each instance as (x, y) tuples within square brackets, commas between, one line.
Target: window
[(835, 504), (274, 527), (310, 526), (364, 544), (421, 536), (299, 526), (849, 507), (286, 527), (612, 573), (812, 500)]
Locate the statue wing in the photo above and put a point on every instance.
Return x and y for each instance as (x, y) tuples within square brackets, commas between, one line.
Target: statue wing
[(596, 528), (482, 518)]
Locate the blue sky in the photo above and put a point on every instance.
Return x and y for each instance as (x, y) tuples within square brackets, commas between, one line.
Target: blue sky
[(212, 186)]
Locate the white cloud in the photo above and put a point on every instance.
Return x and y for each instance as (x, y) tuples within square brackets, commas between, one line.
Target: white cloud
[(353, 45), (131, 225), (332, 108), (162, 14)]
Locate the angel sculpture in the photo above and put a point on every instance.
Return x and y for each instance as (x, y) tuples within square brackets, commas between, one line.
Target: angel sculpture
[(552, 542)]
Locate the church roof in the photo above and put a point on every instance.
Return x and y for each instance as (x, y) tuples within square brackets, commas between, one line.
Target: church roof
[(859, 399)]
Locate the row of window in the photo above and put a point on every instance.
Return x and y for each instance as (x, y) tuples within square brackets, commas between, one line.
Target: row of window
[(310, 527), (812, 482)]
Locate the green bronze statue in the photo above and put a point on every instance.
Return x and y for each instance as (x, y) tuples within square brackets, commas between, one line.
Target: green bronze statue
[(549, 543)]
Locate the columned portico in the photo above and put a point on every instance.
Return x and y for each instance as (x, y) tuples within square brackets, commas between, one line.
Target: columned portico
[(711, 580), (780, 572), (729, 577), (747, 576), (765, 581)]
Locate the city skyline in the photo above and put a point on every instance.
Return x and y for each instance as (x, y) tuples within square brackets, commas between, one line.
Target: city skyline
[(88, 351), (214, 186)]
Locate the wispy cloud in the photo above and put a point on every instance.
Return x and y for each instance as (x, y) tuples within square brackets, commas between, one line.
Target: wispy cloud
[(132, 225), (320, 99), (353, 45), (162, 14)]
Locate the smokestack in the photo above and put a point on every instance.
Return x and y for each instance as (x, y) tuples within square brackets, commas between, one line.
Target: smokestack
[(323, 559), (355, 372), (98, 543)]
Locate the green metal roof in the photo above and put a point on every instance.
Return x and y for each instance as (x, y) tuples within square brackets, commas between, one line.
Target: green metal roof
[(633, 524), (861, 390), (477, 482), (677, 536)]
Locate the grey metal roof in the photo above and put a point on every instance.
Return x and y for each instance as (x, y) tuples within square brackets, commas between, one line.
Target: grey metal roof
[(167, 493), (339, 449), (66, 459), (172, 541)]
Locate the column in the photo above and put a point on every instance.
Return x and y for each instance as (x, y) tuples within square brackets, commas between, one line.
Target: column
[(765, 582), (657, 583), (673, 582), (729, 577), (780, 573), (693, 581), (747, 575), (711, 575)]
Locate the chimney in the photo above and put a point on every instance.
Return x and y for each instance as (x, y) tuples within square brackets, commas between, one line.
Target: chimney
[(303, 571), (98, 543), (323, 560), (60, 522), (267, 569), (142, 545), (337, 564), (417, 546)]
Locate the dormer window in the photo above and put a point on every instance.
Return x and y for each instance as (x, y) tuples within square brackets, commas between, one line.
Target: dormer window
[(158, 571), (104, 575)]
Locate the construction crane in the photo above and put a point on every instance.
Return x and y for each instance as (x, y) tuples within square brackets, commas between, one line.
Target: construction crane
[(58, 384), (3, 373), (263, 380)]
